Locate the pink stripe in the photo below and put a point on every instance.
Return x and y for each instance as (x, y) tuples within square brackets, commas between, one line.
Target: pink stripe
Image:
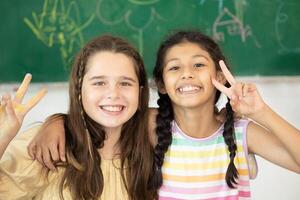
[(216, 198), (194, 190), (244, 194), (199, 190), (168, 198), (243, 183), (225, 198)]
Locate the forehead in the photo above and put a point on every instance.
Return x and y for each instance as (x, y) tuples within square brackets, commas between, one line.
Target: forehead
[(108, 63), (186, 49)]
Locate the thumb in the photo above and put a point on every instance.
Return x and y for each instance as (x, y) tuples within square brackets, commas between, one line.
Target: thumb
[(31, 148), (61, 148)]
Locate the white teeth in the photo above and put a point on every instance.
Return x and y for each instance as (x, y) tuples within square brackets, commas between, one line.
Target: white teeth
[(188, 88), (112, 108)]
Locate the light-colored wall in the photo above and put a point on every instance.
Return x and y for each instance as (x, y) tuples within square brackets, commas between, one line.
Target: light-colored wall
[(282, 94)]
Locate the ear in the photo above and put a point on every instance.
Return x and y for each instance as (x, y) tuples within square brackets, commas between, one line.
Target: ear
[(161, 88), (220, 77)]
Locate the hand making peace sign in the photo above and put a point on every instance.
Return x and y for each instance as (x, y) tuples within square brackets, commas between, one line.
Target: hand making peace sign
[(12, 112), (244, 97)]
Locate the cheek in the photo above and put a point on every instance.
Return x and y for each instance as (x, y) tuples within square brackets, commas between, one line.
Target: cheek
[(207, 76), (132, 97), (169, 82), (88, 99)]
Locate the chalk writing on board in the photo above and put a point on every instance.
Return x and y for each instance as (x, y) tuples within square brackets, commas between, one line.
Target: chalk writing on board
[(233, 27), (143, 2), (220, 3), (126, 15), (284, 21), (55, 25)]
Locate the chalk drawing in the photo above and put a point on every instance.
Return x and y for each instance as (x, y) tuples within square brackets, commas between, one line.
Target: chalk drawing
[(282, 18), (126, 16), (54, 25), (233, 27)]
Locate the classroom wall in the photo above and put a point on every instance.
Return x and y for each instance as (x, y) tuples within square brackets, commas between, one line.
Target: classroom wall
[(281, 93)]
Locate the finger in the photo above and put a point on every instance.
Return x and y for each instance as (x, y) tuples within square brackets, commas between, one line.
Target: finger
[(47, 159), (9, 108), (252, 87), (223, 89), (3, 103), (23, 88), (39, 156), (234, 104), (54, 152), (31, 149), (34, 100), (245, 89), (61, 148), (227, 73), (238, 90), (248, 88)]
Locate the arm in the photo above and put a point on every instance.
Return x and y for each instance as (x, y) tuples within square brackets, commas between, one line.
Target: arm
[(273, 137), (12, 113), (49, 144)]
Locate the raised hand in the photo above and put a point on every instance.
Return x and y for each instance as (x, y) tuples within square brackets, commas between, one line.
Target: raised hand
[(244, 97), (12, 111)]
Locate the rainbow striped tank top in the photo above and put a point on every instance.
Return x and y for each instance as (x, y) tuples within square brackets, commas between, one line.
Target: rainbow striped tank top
[(195, 168)]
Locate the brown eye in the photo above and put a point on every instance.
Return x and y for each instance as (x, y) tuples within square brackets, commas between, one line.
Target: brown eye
[(197, 65), (125, 84), (174, 68), (99, 83)]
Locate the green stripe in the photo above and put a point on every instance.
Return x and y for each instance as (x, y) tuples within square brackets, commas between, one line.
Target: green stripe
[(179, 140)]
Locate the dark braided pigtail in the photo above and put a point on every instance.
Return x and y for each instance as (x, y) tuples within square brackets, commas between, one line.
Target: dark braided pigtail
[(164, 135), (229, 138)]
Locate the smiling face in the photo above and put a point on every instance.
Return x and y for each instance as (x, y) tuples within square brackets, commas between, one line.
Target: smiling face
[(187, 74), (110, 89)]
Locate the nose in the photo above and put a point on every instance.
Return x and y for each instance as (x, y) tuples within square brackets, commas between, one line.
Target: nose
[(187, 73), (113, 92)]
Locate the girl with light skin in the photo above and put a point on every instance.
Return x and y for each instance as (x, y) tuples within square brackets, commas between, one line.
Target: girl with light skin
[(108, 153)]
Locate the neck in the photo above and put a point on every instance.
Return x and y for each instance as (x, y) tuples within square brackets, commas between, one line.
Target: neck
[(198, 122), (111, 144)]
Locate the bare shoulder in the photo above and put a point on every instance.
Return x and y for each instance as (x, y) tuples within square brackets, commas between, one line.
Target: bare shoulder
[(259, 139), (152, 125), (254, 136)]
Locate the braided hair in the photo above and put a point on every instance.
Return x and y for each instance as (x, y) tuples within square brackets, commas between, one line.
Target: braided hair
[(165, 111)]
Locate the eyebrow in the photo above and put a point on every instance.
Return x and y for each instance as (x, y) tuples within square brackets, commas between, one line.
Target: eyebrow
[(194, 56), (128, 78), (121, 77)]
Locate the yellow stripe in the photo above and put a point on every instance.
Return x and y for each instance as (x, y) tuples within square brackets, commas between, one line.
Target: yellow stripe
[(189, 179), (200, 154), (201, 166)]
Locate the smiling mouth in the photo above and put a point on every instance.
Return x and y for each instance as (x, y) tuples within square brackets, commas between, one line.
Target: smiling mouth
[(113, 108), (188, 89)]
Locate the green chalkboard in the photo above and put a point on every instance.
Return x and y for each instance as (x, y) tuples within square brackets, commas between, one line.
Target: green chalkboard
[(42, 36)]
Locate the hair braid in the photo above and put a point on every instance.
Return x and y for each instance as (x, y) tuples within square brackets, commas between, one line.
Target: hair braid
[(229, 138), (164, 135), (82, 114)]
